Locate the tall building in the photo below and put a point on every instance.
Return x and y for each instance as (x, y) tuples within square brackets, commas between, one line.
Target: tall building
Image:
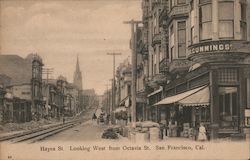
[(197, 65), (78, 76)]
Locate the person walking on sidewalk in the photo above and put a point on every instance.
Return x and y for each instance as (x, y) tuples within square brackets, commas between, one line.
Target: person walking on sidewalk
[(202, 133)]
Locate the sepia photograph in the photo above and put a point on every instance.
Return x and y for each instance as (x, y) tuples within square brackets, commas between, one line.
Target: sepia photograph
[(124, 79)]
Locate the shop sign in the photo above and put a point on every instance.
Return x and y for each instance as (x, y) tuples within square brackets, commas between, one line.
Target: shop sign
[(211, 47)]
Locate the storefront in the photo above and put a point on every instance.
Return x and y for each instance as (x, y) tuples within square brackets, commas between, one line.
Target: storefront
[(215, 95), (152, 98), (21, 110), (229, 101), (185, 111)]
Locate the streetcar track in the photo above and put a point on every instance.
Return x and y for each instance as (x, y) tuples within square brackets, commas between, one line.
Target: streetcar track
[(39, 134)]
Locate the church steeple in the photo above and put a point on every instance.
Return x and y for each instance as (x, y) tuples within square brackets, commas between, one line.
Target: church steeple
[(78, 75), (77, 65)]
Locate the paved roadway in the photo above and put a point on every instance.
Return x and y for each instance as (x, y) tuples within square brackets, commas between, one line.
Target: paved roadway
[(87, 131)]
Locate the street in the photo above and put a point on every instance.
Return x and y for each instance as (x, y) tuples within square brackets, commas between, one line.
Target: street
[(87, 131)]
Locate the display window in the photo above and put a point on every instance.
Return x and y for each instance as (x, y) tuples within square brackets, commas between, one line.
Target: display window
[(228, 107)]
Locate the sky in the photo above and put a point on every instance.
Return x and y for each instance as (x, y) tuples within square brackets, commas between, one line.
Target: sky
[(58, 30)]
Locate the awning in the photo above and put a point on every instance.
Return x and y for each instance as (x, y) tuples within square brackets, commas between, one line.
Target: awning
[(178, 97), (155, 92), (120, 109), (122, 102), (199, 98)]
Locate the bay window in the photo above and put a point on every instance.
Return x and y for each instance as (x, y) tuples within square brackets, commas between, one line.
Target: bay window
[(192, 18), (205, 19), (172, 41), (243, 24), (181, 39), (226, 19)]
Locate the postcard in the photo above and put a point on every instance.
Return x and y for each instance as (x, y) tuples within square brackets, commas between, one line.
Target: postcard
[(124, 79)]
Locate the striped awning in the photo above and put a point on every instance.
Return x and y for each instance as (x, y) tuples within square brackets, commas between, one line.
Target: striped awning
[(178, 97), (199, 98)]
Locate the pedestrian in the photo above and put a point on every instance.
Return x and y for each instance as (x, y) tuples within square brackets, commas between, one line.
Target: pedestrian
[(94, 118), (202, 133), (108, 117), (63, 119)]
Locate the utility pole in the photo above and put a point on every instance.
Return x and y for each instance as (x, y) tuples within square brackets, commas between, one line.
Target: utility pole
[(108, 100), (134, 26), (47, 72), (113, 83)]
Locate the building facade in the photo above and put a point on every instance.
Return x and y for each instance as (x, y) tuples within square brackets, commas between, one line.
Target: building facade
[(197, 64), (36, 85), (2, 93), (219, 39), (21, 79)]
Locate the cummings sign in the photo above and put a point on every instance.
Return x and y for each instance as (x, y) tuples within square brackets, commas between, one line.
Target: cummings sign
[(210, 47)]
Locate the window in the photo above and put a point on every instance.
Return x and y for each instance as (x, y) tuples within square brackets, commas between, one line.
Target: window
[(243, 24), (36, 90), (129, 89), (181, 2), (248, 93), (192, 18), (35, 72), (154, 24), (226, 19), (228, 107), (171, 30), (171, 42), (181, 88), (167, 51), (161, 53), (205, 20), (171, 53), (228, 75), (192, 35), (152, 64), (182, 39)]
